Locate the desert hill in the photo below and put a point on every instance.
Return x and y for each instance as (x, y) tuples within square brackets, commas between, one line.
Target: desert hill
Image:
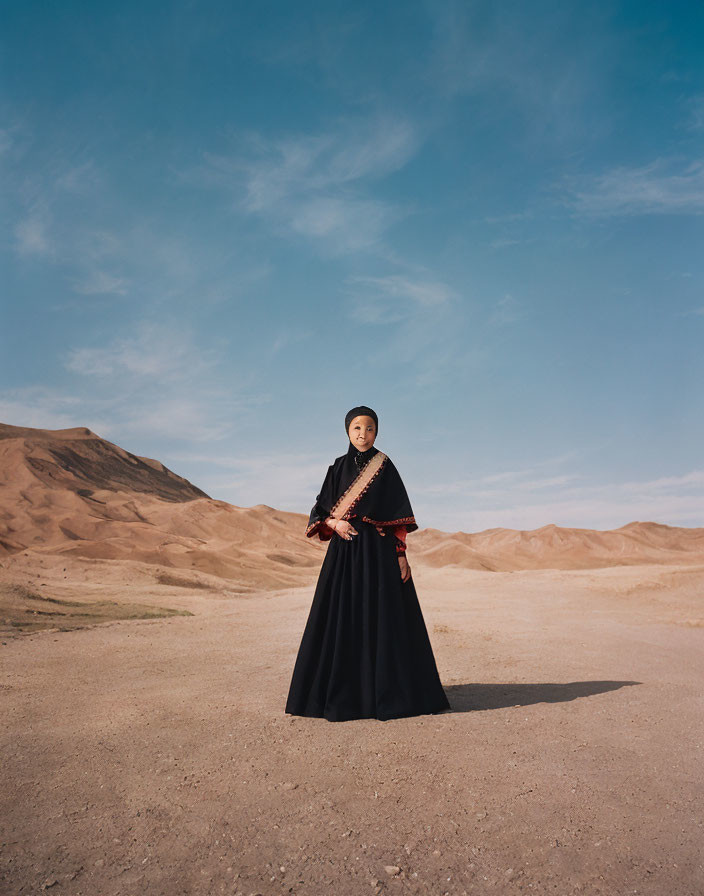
[(78, 460), (560, 547), (71, 494)]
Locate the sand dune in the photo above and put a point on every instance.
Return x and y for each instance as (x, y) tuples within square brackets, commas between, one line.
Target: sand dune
[(559, 547), (69, 492), (73, 494)]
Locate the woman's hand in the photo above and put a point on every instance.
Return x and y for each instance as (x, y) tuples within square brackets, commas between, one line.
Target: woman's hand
[(405, 568), (343, 528)]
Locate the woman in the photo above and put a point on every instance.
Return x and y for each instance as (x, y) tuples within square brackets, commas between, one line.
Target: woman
[(365, 651)]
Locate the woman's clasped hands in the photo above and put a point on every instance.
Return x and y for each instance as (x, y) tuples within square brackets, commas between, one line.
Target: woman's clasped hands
[(342, 528)]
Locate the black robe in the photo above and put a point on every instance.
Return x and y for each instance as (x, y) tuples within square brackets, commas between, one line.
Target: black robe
[(365, 651)]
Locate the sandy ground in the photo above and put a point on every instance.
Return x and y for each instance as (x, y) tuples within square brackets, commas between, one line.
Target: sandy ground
[(153, 756)]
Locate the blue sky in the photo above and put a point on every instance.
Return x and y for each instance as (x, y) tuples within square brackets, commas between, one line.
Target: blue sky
[(225, 224)]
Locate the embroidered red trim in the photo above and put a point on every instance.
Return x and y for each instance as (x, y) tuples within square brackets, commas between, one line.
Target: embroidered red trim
[(399, 522), (400, 545)]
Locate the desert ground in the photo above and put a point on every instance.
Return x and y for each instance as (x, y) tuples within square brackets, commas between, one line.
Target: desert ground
[(146, 659)]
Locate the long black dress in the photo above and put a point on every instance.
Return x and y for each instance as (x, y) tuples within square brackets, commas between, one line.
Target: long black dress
[(365, 651)]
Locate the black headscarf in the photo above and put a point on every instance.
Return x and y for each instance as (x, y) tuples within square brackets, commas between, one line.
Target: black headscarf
[(360, 458), (361, 411), (384, 503)]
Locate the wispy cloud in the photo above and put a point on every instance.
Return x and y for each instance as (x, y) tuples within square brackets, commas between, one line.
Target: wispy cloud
[(428, 324), (504, 243), (526, 480), (32, 233), (156, 351), (352, 152), (424, 321), (506, 311), (285, 480), (55, 219), (45, 407), (81, 178), (203, 416), (160, 380), (128, 416), (510, 217), (101, 283), (70, 215), (496, 485), (602, 510), (510, 499), (382, 300), (288, 337), (318, 185), (536, 65), (695, 112), (6, 140), (661, 187), (346, 224)]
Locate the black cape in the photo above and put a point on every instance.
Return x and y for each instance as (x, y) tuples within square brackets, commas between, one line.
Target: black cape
[(365, 651), (384, 503)]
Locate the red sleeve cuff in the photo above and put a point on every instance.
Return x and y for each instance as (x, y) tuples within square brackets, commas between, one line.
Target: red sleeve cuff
[(400, 533), (321, 529)]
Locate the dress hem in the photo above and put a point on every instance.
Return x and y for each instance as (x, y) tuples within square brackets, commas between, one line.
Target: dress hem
[(344, 717)]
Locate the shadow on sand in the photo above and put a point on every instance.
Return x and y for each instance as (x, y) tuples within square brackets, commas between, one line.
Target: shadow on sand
[(470, 697)]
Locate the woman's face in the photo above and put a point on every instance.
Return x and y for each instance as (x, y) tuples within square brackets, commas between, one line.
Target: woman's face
[(362, 433)]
